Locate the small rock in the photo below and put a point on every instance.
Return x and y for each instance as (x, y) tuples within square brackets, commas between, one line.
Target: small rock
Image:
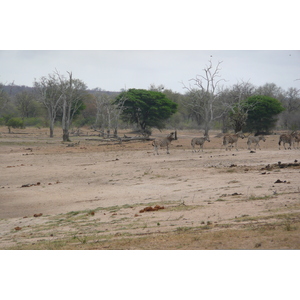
[(37, 215), (257, 245)]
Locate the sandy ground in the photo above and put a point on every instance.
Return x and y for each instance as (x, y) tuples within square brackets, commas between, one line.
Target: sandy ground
[(40, 175)]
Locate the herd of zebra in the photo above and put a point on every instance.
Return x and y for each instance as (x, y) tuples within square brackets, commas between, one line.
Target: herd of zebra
[(229, 140)]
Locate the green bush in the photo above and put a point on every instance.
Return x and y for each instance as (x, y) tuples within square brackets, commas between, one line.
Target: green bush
[(262, 115), (37, 122), (15, 123)]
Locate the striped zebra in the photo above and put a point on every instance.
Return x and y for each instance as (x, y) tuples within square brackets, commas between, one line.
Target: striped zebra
[(164, 142), (232, 139), (287, 139), (199, 141), (256, 140)]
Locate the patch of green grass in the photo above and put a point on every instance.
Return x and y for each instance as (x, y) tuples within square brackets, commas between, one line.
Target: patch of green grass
[(230, 170), (266, 197), (183, 229), (72, 213)]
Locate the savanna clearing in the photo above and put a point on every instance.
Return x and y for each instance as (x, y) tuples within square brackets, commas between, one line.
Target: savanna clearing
[(93, 194)]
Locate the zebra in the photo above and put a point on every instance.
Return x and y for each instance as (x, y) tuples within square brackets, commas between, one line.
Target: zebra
[(232, 138), (256, 140), (164, 142), (296, 139), (199, 141), (286, 139)]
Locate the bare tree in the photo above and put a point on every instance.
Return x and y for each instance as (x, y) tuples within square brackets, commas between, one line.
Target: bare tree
[(72, 101), (234, 104), (108, 113), (271, 90), (203, 95), (117, 111), (49, 92), (291, 103), (103, 112)]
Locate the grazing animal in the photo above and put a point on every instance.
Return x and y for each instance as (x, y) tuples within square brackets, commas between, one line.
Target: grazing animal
[(297, 139), (165, 142), (232, 139), (256, 140), (286, 139), (199, 141)]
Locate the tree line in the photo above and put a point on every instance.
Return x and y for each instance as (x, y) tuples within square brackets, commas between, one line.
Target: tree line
[(63, 100)]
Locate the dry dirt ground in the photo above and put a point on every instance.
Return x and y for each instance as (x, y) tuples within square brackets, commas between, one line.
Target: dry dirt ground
[(92, 195)]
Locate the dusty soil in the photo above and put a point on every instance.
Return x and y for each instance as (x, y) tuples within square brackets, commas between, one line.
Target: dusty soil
[(91, 195)]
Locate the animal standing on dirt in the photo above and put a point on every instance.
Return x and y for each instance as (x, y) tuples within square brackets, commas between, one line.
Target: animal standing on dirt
[(297, 139), (256, 140), (164, 142), (232, 139), (199, 141), (287, 139)]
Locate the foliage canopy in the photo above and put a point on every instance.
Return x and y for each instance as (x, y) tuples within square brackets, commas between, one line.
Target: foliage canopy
[(146, 108), (263, 112)]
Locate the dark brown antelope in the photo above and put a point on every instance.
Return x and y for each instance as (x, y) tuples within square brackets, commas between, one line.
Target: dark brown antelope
[(164, 142)]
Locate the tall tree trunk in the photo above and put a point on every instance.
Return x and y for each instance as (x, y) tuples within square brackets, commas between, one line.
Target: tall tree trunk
[(66, 121), (51, 128), (66, 135), (51, 132), (206, 129), (116, 132)]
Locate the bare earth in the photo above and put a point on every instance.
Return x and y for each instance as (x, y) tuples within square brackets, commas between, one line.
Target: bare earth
[(90, 195)]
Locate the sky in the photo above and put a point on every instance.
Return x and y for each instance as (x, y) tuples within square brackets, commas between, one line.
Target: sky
[(120, 45), (113, 70)]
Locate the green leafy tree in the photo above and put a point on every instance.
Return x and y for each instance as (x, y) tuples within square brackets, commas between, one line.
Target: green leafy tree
[(146, 108), (263, 112), (14, 123), (4, 98)]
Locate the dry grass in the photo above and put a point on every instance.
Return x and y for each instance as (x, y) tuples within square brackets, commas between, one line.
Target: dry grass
[(278, 235), (84, 230)]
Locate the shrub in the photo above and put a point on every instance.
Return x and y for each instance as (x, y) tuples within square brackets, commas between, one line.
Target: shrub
[(35, 121), (14, 123)]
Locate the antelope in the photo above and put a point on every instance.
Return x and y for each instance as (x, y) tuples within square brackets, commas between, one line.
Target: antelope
[(164, 142), (232, 138), (287, 139), (199, 141), (256, 140)]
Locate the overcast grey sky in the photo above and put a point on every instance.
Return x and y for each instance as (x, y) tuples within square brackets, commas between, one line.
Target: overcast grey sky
[(115, 70), (149, 25)]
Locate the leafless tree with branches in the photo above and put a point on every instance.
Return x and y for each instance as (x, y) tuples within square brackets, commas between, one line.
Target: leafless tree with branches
[(203, 95), (49, 92)]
